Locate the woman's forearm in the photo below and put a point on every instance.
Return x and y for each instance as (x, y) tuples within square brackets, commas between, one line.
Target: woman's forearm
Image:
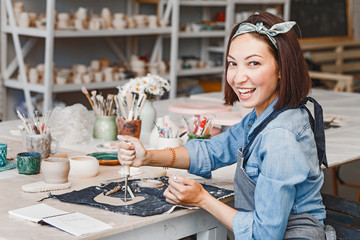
[(163, 158), (219, 210)]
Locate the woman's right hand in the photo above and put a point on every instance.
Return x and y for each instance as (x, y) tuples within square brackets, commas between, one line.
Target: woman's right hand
[(131, 151)]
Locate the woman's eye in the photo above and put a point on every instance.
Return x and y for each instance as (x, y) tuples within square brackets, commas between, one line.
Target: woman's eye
[(254, 63), (231, 63)]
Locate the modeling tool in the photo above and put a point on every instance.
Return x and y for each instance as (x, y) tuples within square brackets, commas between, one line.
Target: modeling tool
[(139, 105), (123, 159), (122, 106)]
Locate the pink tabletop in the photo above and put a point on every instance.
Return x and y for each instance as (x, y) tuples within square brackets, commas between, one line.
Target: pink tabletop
[(197, 108), (227, 118)]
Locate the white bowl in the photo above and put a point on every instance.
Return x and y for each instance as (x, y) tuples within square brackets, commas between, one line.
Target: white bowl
[(83, 167)]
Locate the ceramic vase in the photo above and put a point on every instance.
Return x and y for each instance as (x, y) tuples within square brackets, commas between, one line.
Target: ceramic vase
[(148, 117), (105, 128)]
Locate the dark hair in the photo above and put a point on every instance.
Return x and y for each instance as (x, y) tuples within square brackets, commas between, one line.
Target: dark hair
[(295, 82)]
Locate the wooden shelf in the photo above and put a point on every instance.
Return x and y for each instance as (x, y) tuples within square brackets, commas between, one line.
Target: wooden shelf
[(203, 34), (34, 32), (200, 71)]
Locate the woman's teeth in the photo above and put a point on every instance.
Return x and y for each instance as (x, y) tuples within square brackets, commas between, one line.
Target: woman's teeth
[(247, 91)]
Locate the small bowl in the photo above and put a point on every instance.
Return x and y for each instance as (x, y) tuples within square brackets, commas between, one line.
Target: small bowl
[(83, 167)]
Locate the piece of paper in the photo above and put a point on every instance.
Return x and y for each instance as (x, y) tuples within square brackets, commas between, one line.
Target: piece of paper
[(77, 224), (36, 213), (74, 223)]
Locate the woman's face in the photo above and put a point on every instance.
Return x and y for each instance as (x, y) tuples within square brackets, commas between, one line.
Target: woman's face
[(252, 72)]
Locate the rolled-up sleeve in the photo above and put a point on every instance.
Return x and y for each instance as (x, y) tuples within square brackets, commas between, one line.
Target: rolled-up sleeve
[(219, 151), (242, 225)]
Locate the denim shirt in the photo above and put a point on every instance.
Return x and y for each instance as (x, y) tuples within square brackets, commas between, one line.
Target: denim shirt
[(283, 163)]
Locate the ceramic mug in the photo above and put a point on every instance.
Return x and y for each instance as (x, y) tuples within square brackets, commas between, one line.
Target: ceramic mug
[(28, 163), (3, 154), (41, 143), (55, 170), (83, 167)]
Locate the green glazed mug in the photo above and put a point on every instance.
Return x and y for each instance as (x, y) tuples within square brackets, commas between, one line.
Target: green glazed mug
[(28, 163), (3, 154)]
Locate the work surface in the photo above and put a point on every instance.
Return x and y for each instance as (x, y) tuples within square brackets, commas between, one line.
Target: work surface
[(343, 145)]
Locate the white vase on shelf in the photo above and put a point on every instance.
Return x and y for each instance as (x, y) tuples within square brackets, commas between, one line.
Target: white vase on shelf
[(148, 117)]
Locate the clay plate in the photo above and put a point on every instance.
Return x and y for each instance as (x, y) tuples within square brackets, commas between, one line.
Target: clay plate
[(106, 158)]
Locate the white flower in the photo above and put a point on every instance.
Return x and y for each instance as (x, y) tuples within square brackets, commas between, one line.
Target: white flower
[(150, 85)]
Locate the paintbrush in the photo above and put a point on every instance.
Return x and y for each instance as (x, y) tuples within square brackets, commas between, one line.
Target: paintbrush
[(122, 106), (85, 91), (110, 101)]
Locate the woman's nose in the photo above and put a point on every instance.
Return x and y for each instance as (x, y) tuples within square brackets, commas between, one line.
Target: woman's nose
[(241, 76)]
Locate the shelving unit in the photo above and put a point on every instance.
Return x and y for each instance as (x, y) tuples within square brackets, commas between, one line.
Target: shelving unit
[(165, 8), (229, 8), (8, 68)]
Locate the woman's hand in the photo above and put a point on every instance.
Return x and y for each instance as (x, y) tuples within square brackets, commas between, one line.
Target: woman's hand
[(131, 152), (186, 192)]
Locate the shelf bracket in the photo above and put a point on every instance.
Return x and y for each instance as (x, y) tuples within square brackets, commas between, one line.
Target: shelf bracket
[(116, 50), (19, 57), (28, 46)]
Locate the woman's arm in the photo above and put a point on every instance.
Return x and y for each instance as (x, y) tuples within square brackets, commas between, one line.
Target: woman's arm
[(134, 154)]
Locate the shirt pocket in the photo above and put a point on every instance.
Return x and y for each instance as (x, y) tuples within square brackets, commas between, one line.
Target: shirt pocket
[(252, 171)]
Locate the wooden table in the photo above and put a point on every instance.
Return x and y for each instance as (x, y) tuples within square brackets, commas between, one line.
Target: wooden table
[(342, 145), (178, 224)]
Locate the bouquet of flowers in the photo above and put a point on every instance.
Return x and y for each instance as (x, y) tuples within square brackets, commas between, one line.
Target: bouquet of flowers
[(151, 85)]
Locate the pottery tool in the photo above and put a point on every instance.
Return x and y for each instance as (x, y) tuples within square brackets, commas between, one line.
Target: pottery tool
[(131, 109), (129, 100), (139, 105), (25, 123), (126, 167), (121, 105), (85, 91)]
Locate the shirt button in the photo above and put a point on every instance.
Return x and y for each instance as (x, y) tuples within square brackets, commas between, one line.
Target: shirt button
[(250, 125)]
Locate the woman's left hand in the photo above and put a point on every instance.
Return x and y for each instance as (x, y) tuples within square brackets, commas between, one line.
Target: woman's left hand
[(185, 191)]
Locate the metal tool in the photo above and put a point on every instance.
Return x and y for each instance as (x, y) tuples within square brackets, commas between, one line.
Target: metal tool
[(127, 174), (123, 159)]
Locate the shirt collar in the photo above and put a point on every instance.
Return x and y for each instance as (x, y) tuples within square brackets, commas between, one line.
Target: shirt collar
[(263, 116)]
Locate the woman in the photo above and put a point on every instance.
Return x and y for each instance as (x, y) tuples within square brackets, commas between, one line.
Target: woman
[(278, 178)]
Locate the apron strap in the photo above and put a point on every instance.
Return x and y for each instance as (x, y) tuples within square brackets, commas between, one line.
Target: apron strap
[(258, 129), (318, 129), (317, 125)]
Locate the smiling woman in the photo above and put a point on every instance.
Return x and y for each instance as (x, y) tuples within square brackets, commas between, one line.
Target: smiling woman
[(247, 66), (278, 147)]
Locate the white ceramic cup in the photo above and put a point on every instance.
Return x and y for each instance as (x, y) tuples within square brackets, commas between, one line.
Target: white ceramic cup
[(55, 170), (83, 167)]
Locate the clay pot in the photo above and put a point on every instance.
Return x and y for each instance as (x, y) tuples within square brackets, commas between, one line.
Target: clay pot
[(55, 170), (83, 167)]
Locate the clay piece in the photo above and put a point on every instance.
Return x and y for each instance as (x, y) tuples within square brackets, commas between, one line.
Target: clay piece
[(150, 183)]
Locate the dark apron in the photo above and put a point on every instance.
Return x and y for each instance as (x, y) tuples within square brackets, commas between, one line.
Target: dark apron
[(300, 226)]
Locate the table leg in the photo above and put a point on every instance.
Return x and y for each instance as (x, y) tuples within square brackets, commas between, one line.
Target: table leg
[(217, 233), (334, 181)]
